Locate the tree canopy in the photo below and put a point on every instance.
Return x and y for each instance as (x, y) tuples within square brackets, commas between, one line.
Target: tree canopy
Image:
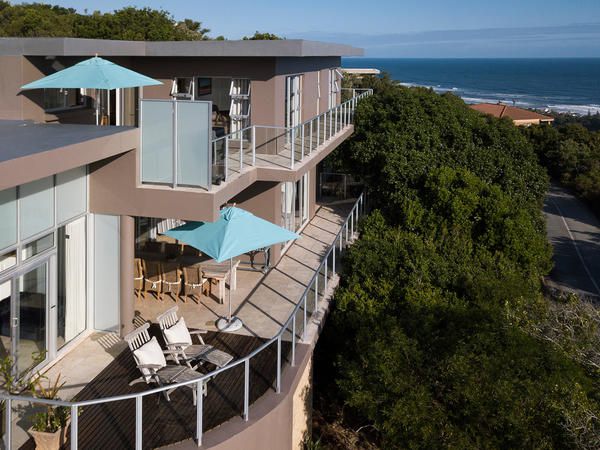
[(258, 36), (440, 295), (129, 23)]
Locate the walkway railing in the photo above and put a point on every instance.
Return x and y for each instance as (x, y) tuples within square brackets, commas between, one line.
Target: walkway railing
[(282, 146), (294, 329)]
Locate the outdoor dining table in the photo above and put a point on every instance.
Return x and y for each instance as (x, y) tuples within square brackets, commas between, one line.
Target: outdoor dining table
[(221, 273)]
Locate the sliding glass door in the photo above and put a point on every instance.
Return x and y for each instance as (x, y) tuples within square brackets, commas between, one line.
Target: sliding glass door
[(30, 321), (294, 204)]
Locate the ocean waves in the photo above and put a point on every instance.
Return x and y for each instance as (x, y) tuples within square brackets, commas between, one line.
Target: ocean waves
[(560, 85)]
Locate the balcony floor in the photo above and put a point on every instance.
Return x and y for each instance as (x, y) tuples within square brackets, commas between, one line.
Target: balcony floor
[(102, 366), (263, 302)]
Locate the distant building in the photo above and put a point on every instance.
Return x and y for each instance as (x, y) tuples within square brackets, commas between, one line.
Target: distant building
[(520, 116), (362, 72)]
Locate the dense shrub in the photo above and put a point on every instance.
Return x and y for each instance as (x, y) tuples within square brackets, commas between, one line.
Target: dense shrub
[(572, 155), (441, 292)]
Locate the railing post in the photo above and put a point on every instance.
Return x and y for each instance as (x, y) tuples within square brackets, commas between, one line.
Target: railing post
[(346, 231), (335, 122), (253, 145), (293, 341), (317, 289), (318, 129), (7, 423), (333, 251), (330, 123), (304, 318), (226, 157), (278, 382), (302, 143), (293, 138), (352, 224), (138, 422), (241, 150), (326, 270), (246, 388), (310, 132), (74, 426), (341, 242), (199, 411)]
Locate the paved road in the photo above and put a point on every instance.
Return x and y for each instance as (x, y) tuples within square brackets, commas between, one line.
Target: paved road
[(574, 232)]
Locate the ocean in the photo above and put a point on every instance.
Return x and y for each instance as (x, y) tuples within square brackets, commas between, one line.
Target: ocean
[(561, 85)]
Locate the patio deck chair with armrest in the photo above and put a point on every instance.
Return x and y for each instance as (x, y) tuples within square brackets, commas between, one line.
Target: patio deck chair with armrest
[(151, 362), (179, 340), (193, 282)]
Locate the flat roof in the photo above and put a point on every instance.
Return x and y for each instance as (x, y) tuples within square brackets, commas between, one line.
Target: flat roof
[(30, 151), (90, 47), (501, 110)]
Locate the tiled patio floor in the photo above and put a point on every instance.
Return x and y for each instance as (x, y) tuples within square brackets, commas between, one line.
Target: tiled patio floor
[(263, 302)]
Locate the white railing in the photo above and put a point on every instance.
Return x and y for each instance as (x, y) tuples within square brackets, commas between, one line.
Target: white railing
[(233, 152), (297, 330)]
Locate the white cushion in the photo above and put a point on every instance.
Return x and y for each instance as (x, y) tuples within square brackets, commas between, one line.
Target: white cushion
[(150, 353), (178, 333)]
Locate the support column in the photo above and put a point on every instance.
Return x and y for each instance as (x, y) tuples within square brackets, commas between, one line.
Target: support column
[(127, 255)]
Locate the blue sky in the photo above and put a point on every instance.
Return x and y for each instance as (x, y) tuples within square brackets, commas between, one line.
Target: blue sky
[(428, 28)]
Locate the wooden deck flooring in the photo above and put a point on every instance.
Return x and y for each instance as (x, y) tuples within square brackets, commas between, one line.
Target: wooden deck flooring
[(112, 425)]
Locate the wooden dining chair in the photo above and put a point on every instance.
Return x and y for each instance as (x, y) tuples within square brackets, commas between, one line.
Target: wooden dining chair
[(171, 279), (152, 278), (194, 283)]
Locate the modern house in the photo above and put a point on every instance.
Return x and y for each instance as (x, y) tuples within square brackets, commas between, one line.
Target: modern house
[(520, 117), (83, 207)]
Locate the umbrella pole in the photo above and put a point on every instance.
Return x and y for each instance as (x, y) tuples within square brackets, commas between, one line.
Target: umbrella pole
[(230, 274), (97, 100)]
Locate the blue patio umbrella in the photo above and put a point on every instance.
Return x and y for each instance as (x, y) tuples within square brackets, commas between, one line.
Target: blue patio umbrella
[(236, 232), (93, 73)]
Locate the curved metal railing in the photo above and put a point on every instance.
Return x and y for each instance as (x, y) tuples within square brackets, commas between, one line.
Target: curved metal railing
[(343, 237)]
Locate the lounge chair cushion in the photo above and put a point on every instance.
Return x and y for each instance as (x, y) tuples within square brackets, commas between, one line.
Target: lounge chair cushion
[(150, 353), (178, 333)]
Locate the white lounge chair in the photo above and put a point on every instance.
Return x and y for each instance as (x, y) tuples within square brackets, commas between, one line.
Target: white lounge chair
[(150, 360), (178, 339)]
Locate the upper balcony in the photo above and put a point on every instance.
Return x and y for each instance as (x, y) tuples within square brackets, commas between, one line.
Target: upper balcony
[(181, 149)]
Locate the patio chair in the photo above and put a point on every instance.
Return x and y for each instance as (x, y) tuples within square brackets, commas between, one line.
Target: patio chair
[(152, 278), (179, 341), (138, 277), (151, 362), (194, 283), (171, 279)]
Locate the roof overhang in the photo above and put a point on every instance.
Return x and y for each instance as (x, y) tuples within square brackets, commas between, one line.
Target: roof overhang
[(89, 47), (30, 151)]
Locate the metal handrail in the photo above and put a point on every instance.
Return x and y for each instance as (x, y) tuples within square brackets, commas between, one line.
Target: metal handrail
[(344, 110), (347, 225)]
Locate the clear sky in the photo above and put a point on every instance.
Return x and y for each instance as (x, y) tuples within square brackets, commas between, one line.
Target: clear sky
[(400, 27)]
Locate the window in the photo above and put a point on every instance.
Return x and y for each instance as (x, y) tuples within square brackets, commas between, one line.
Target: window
[(8, 213), (204, 86), (8, 260), (38, 246), (36, 200), (71, 194), (57, 99)]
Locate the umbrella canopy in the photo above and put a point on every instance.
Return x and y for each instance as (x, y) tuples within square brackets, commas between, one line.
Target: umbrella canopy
[(235, 233), (93, 73)]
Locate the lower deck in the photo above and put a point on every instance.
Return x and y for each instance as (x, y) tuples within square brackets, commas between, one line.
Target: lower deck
[(102, 365)]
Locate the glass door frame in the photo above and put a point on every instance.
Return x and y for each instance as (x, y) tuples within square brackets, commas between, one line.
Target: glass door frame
[(49, 261)]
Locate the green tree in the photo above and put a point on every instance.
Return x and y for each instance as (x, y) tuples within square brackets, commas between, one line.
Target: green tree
[(258, 36)]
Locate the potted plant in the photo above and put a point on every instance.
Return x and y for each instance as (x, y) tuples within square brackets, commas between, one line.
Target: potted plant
[(49, 429)]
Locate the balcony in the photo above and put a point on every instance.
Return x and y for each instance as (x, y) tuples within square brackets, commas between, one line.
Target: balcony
[(180, 149), (282, 311)]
